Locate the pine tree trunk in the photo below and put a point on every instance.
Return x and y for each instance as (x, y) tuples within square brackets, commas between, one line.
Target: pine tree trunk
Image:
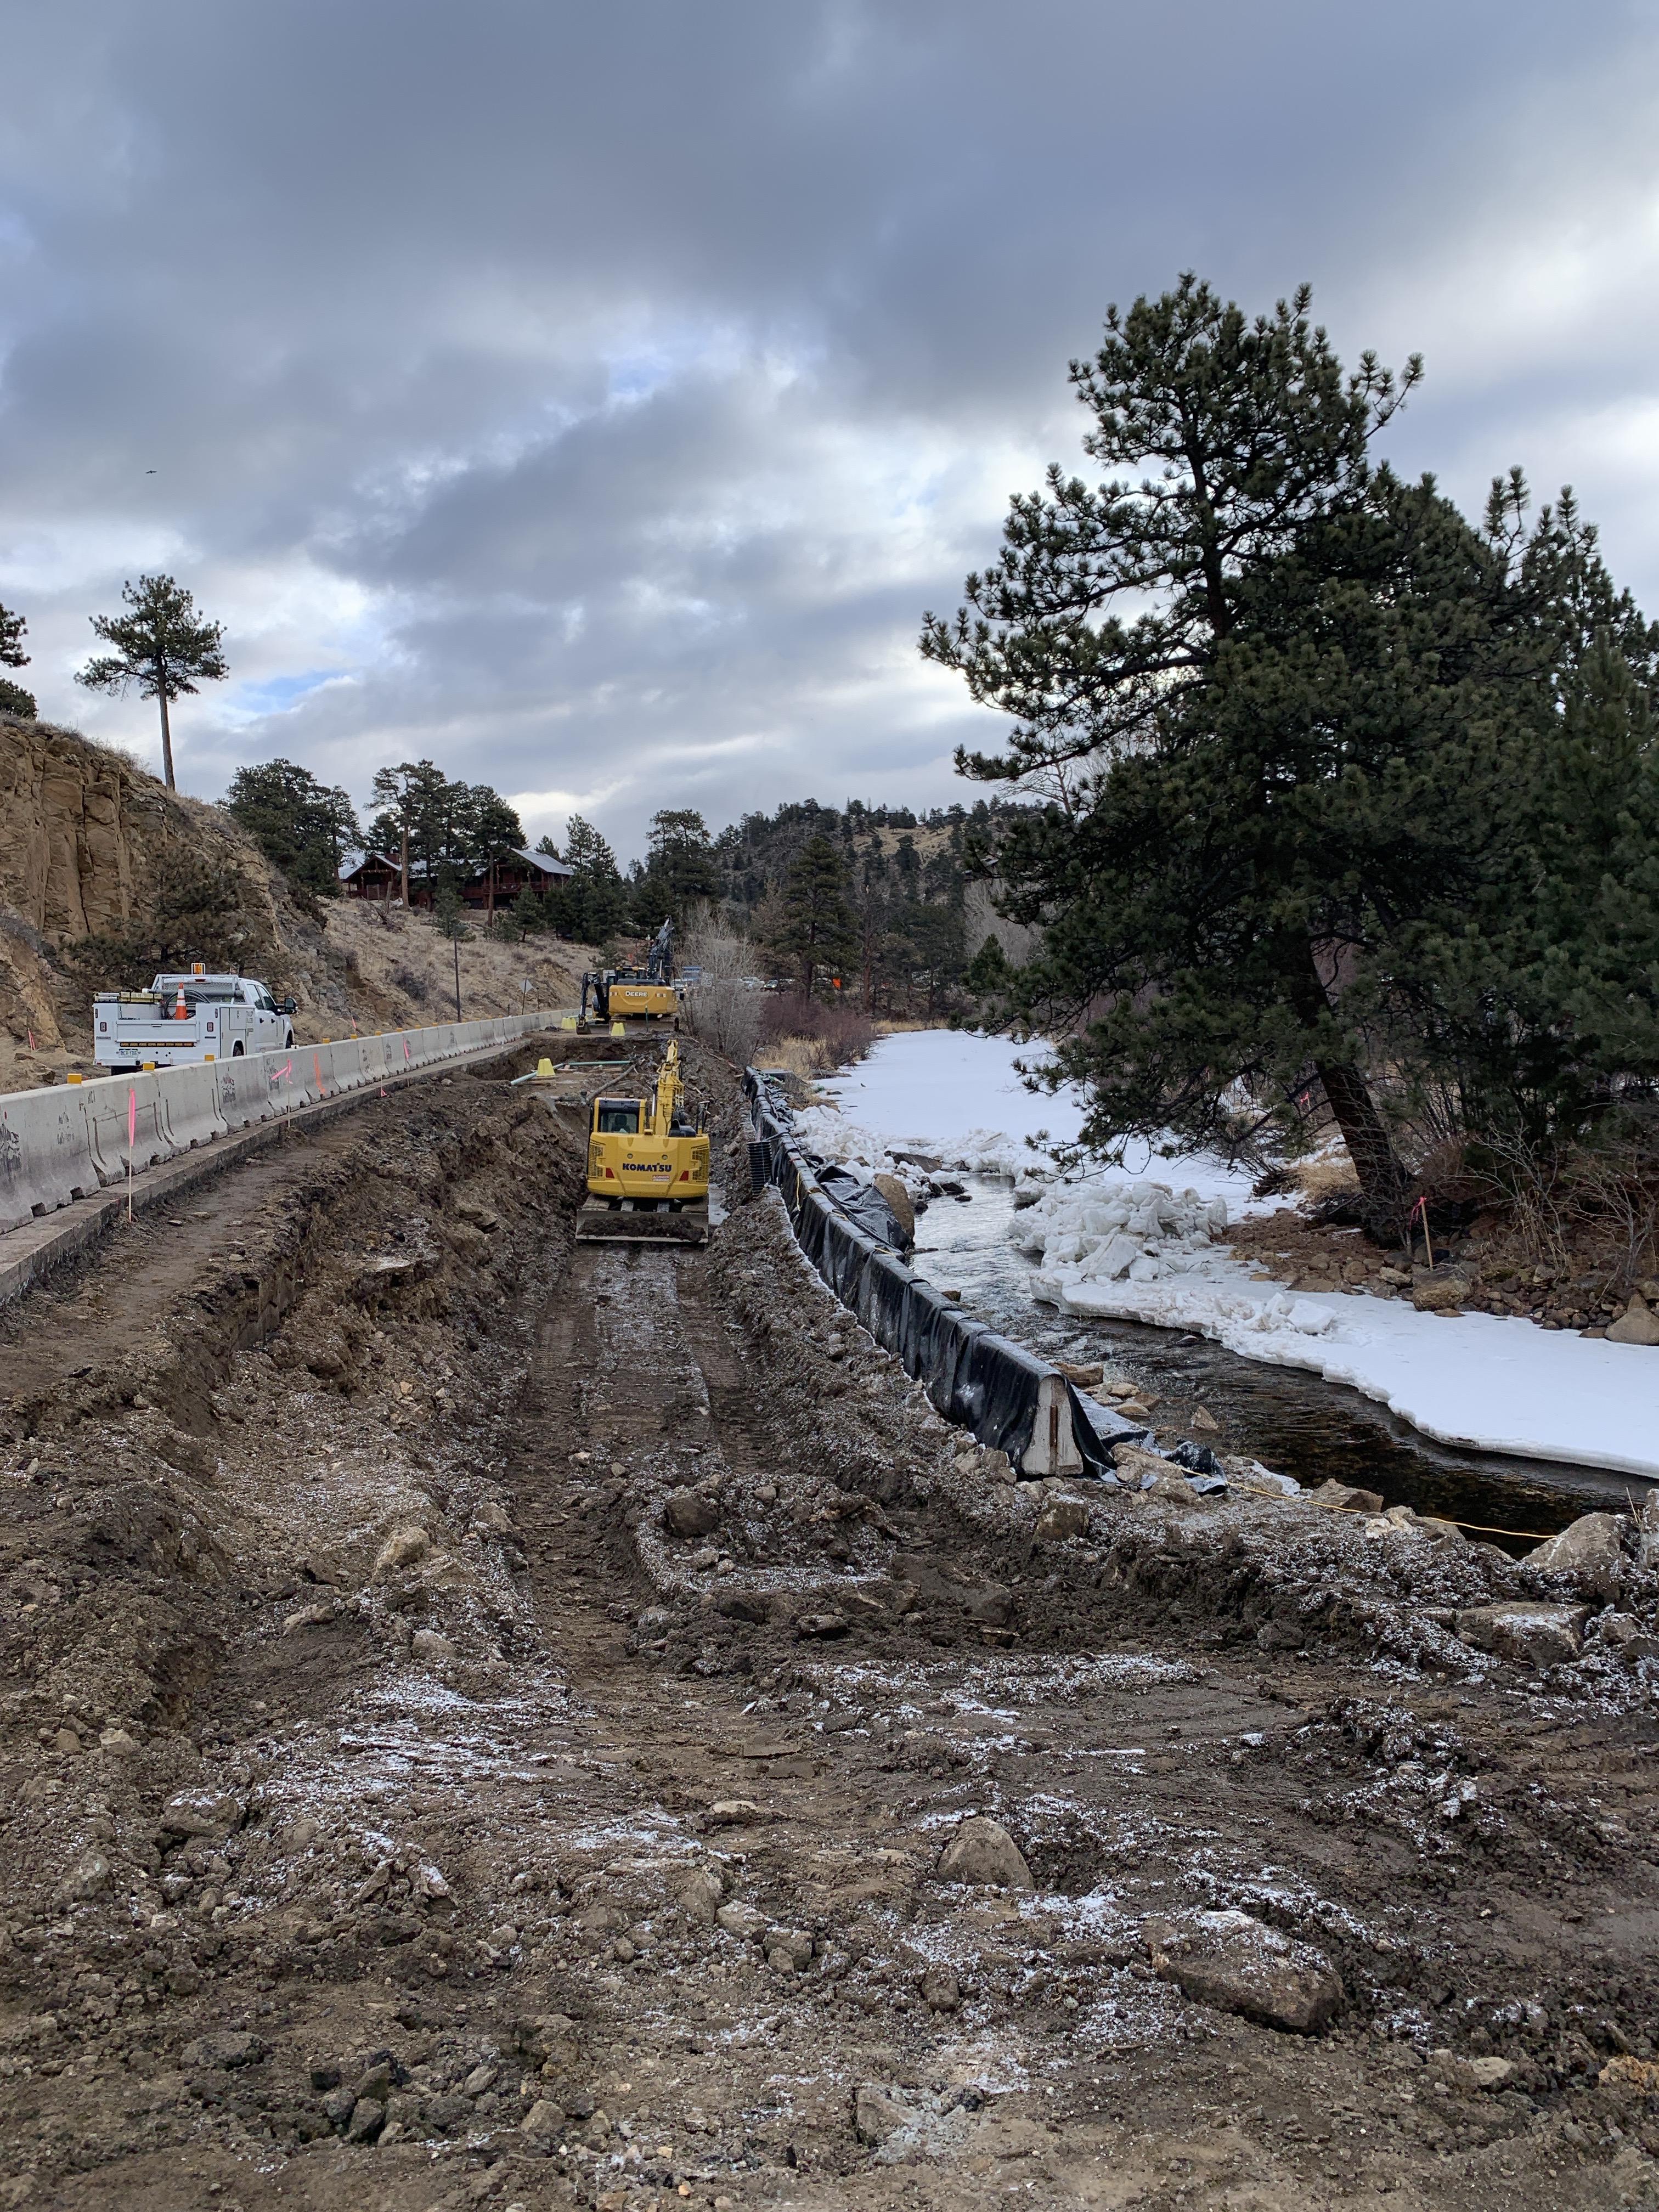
[(166, 740), (1381, 1179)]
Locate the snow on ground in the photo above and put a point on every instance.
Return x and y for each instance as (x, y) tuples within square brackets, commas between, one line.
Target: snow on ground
[(1500, 1385), (945, 1092), (1149, 1246), (960, 1098)]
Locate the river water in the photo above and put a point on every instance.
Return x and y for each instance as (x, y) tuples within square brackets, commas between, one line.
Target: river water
[(1291, 1420)]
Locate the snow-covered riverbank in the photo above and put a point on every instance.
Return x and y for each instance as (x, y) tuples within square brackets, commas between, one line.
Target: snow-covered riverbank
[(1151, 1246)]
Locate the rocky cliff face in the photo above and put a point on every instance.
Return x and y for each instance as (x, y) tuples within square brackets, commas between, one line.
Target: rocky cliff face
[(981, 920), (95, 855), (107, 875)]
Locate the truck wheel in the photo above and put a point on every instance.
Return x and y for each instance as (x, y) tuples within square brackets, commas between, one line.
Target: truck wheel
[(288, 1041), (236, 1051)]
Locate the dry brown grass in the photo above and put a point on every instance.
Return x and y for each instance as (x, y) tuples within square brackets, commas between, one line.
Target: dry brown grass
[(805, 1057), (1324, 1178), (401, 972)]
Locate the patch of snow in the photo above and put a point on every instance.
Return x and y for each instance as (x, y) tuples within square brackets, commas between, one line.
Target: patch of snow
[(960, 1098)]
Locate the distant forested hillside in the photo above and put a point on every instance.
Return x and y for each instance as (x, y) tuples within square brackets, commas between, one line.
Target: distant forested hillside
[(891, 901)]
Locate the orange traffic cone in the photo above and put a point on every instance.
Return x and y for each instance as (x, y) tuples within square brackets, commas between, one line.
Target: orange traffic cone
[(181, 1012)]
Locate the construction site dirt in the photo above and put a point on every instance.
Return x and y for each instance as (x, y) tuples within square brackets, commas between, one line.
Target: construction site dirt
[(486, 1722)]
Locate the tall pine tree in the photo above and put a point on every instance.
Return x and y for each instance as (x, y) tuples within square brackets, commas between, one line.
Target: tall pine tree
[(817, 928), (1260, 689)]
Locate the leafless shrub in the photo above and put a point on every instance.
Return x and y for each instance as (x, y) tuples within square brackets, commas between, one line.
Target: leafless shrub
[(1611, 1190), (410, 983), (723, 1007), (1602, 1191)]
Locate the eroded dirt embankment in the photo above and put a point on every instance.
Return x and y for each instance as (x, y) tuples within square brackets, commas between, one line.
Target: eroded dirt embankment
[(481, 1724)]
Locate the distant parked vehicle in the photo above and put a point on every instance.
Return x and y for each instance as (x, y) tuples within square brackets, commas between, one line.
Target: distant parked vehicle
[(182, 1018)]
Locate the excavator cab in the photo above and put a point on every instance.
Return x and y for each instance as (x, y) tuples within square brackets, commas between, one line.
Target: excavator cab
[(647, 1166)]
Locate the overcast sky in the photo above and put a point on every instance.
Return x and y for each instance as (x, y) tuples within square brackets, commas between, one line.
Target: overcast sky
[(592, 397)]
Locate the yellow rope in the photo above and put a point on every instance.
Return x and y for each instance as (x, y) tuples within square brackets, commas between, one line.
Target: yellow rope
[(1480, 1527)]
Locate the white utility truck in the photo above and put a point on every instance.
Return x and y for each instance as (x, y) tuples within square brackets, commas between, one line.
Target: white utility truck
[(189, 1018)]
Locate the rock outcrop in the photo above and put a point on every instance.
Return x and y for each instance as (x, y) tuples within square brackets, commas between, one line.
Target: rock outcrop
[(92, 849)]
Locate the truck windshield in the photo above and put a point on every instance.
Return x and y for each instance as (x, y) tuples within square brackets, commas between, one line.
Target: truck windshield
[(265, 1003), (618, 1117)]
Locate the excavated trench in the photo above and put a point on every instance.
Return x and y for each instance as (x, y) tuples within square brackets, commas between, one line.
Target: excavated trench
[(481, 1718)]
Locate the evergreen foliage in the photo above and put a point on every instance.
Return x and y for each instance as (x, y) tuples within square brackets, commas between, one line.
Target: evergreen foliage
[(1312, 751), (526, 913), (301, 826), (592, 905), (197, 913), (454, 828), (163, 645), (679, 873), (815, 927), (12, 628)]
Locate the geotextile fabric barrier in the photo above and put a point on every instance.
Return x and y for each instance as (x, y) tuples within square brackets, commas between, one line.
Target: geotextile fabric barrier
[(1009, 1399), (62, 1143)]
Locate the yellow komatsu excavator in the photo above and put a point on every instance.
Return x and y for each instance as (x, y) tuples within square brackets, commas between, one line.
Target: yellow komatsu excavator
[(647, 1166)]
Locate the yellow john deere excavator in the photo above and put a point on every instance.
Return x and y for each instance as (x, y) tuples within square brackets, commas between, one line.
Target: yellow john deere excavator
[(647, 1166), (624, 994)]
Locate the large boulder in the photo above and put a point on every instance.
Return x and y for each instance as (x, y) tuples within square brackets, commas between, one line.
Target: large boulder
[(899, 1205), (206, 1813), (1588, 1553), (983, 1852), (1637, 1324), (1240, 1964), (1533, 1635), (1646, 1517), (688, 1513), (1346, 1498), (878, 2114), (1441, 1294), (1062, 1518)]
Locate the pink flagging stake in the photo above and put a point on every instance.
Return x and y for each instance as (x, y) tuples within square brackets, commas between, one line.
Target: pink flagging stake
[(133, 1138)]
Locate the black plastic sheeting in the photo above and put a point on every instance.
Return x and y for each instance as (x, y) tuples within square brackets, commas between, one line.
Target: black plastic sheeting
[(981, 1381)]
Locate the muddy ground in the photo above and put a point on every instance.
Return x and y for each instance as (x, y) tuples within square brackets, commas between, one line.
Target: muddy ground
[(480, 1721)]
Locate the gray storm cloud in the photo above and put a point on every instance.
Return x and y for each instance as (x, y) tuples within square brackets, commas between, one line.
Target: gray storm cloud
[(593, 399)]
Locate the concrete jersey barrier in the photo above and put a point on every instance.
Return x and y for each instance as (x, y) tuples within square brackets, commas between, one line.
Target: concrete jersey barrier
[(60, 1144), (45, 1155)]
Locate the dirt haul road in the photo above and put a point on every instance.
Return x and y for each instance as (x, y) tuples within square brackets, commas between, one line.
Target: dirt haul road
[(486, 1723)]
